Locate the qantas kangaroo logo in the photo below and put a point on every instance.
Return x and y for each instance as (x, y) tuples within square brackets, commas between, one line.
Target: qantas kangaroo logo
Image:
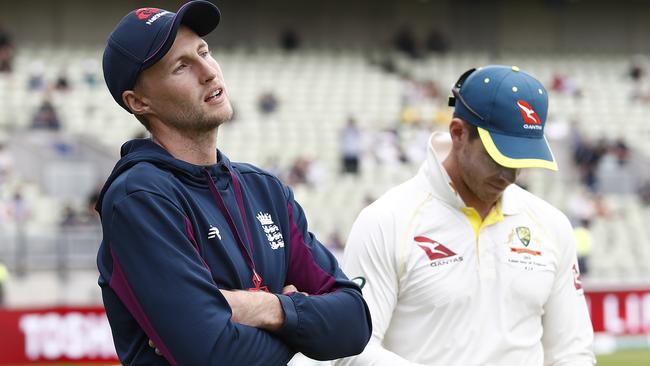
[(528, 113), (433, 249)]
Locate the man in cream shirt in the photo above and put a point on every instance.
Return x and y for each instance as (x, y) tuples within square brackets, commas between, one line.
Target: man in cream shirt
[(459, 265)]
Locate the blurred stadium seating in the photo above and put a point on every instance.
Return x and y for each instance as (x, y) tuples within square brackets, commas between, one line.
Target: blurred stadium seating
[(318, 90)]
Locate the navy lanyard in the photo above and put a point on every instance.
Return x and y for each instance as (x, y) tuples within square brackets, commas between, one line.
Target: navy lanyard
[(246, 251)]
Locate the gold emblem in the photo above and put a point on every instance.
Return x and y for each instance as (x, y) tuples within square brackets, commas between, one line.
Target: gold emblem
[(523, 233)]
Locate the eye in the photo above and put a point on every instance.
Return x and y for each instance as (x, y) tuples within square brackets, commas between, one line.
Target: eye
[(180, 68), (204, 53)]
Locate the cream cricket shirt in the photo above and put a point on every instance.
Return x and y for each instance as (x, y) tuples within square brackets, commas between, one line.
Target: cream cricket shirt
[(445, 288)]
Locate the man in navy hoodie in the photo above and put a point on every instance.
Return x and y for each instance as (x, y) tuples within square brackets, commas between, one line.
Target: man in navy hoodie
[(206, 260)]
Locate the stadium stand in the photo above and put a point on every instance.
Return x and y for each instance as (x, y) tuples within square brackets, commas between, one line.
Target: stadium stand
[(317, 91)]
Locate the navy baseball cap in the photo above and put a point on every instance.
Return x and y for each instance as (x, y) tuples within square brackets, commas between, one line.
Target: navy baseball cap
[(509, 108), (144, 36)]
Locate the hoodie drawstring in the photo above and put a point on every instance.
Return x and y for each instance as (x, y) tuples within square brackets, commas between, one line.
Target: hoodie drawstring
[(247, 251)]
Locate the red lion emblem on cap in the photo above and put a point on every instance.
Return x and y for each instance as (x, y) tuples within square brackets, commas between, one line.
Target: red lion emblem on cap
[(146, 13)]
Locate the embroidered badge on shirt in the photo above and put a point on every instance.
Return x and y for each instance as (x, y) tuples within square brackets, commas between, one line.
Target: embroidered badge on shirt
[(272, 231), (526, 253), (523, 233)]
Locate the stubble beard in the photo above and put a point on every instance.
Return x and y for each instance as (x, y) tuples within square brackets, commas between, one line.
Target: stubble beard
[(193, 121), (476, 186)]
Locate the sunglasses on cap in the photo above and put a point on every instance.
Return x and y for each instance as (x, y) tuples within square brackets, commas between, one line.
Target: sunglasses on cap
[(455, 90)]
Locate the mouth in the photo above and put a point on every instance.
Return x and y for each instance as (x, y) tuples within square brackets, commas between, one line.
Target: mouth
[(214, 95), (499, 187)]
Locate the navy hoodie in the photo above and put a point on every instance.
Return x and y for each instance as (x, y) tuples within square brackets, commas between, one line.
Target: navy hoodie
[(175, 233)]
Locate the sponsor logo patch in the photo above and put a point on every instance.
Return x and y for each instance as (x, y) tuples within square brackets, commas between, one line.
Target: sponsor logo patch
[(213, 233), (146, 13), (530, 117), (436, 252)]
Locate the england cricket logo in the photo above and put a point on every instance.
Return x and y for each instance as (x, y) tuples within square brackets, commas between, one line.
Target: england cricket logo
[(272, 231)]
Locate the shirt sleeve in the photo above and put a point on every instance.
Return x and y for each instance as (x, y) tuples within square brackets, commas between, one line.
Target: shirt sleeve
[(160, 278), (568, 334), (369, 257), (333, 321)]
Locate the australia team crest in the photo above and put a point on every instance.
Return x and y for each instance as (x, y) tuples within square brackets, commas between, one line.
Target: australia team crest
[(523, 233)]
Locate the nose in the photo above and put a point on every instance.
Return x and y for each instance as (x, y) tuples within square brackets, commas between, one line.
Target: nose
[(208, 71)]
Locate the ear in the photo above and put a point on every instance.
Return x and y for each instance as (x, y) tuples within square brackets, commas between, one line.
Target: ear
[(457, 130), (136, 103)]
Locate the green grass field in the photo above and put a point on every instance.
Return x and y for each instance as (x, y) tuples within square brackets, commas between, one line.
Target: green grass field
[(626, 358)]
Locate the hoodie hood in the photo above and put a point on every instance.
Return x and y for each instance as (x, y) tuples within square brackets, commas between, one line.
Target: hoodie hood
[(145, 150)]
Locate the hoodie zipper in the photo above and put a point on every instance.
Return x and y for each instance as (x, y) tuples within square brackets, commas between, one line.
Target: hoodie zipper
[(246, 251)]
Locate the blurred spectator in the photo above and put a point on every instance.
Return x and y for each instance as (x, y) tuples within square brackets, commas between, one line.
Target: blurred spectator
[(6, 51), (92, 216), (4, 276), (443, 114), (581, 206), (62, 83), (613, 174), (412, 96), (35, 80), (644, 193), (430, 89), (417, 145), (405, 42), (90, 67), (437, 42), (409, 114), (316, 174), (267, 103), (289, 40), (636, 70), (636, 73), (387, 64), (586, 157), (46, 117), (584, 241), (621, 151), (566, 85), (69, 217), (17, 208), (412, 92), (600, 206), (335, 244), (351, 147), (18, 212), (298, 172), (6, 163), (308, 172), (387, 149)]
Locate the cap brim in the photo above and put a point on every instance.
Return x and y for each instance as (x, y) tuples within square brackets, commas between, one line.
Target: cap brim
[(200, 16), (518, 152)]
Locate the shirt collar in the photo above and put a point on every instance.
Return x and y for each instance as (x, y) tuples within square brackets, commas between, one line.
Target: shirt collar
[(437, 150), (510, 200), (442, 188)]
